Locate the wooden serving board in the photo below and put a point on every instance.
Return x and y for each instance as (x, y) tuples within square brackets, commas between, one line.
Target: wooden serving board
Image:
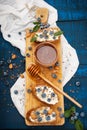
[(31, 101)]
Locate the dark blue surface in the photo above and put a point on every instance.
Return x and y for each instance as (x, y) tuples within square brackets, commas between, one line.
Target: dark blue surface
[(73, 21)]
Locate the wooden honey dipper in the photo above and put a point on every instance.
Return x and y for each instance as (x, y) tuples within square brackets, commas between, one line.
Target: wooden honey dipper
[(34, 71)]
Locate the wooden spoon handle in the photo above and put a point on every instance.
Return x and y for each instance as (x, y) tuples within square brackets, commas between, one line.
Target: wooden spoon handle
[(62, 92)]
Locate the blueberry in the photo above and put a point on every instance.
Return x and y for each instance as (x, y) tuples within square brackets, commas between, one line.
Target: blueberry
[(59, 80), (28, 55), (48, 99), (72, 118), (46, 37), (57, 64), (51, 33), (16, 92), (9, 35), (38, 90), (37, 112), (47, 25), (29, 48), (45, 87), (39, 119), (19, 33), (59, 109), (41, 27), (77, 114), (75, 117), (41, 24), (53, 115), (45, 111), (45, 32), (47, 118), (82, 114), (61, 115), (43, 95), (30, 31), (41, 36), (52, 94), (8, 61), (50, 67), (54, 75), (39, 19), (29, 90), (54, 37), (5, 73), (1, 63), (77, 83)]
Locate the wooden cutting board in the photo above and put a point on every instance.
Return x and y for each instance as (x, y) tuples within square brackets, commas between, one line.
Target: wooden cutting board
[(30, 100)]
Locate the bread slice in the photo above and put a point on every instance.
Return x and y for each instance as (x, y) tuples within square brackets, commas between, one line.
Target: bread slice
[(47, 35), (41, 115), (45, 94)]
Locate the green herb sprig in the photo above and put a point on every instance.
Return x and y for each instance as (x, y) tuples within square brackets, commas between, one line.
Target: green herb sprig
[(70, 114), (58, 33)]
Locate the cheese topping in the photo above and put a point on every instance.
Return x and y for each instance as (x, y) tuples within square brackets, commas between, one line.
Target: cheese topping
[(46, 94), (42, 115), (47, 35)]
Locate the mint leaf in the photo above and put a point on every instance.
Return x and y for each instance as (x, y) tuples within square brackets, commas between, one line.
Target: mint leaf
[(72, 109), (33, 39), (58, 33), (67, 113), (36, 23), (78, 125), (36, 28)]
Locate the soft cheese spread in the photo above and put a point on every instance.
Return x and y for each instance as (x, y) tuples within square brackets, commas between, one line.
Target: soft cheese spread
[(46, 94), (42, 115)]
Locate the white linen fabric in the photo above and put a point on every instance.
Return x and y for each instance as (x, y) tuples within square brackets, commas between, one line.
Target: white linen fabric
[(15, 17)]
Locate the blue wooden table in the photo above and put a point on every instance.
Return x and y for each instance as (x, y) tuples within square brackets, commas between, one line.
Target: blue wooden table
[(73, 21)]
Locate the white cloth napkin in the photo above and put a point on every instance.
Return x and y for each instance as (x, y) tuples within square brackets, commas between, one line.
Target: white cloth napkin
[(15, 17)]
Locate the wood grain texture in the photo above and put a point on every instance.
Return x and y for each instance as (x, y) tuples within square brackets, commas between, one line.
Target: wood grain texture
[(31, 101)]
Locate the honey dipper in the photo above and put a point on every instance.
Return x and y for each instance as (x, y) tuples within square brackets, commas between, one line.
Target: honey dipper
[(34, 71)]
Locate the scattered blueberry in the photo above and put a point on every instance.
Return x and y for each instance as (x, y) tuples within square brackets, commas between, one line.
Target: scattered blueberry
[(59, 80), (37, 112), (28, 55), (29, 48), (45, 32), (39, 19), (61, 115), (59, 109), (5, 73), (47, 118), (1, 63), (38, 90), (41, 36), (54, 37), (8, 61), (53, 115), (77, 83), (82, 114), (75, 117), (47, 25), (45, 87), (54, 75), (57, 64), (45, 111), (77, 114), (41, 27), (16, 92), (29, 90), (39, 119), (43, 95), (30, 31), (9, 35), (51, 33), (72, 118), (46, 37), (48, 99), (50, 67), (19, 33), (41, 24), (52, 94)]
